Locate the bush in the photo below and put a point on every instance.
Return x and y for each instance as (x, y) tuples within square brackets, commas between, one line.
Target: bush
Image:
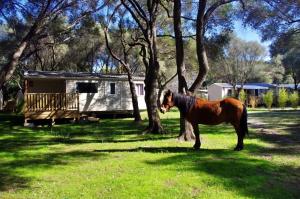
[(268, 99), (294, 99), (253, 101), (282, 98), (242, 96)]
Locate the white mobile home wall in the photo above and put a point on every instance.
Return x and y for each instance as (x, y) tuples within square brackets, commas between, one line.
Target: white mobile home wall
[(103, 100), (217, 92)]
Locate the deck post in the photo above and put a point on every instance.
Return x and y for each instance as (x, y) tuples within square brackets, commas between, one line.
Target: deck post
[(25, 102), (52, 121), (78, 114), (26, 123)]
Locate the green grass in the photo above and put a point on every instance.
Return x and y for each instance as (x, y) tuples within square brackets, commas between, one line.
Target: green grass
[(114, 159)]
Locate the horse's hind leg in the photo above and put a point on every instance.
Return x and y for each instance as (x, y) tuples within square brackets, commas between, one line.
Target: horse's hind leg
[(240, 142), (197, 136)]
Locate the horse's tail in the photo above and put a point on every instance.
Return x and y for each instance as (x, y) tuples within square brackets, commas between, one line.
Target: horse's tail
[(243, 121)]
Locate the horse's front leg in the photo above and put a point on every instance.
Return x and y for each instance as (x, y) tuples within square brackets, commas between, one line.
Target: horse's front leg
[(197, 144)]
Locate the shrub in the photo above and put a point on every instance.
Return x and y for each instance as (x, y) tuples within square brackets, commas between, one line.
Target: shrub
[(282, 98), (294, 99), (268, 99), (253, 101), (242, 96)]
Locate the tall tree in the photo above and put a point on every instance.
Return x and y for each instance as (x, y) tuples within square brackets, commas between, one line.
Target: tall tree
[(126, 48), (207, 19), (145, 16), (288, 48), (239, 63), (186, 129), (291, 61), (38, 15), (277, 21), (272, 18)]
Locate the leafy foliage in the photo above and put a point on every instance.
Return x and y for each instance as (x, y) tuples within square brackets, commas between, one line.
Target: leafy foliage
[(242, 96), (287, 47), (272, 17), (268, 99), (240, 62), (294, 99), (282, 98)]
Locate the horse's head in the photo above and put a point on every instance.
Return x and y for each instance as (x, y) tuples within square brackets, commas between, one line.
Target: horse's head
[(167, 102)]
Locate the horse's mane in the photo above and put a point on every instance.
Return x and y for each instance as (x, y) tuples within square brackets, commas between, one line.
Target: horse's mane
[(183, 102)]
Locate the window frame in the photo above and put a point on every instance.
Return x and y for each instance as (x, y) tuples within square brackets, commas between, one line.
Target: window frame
[(139, 87), (110, 88), (88, 83)]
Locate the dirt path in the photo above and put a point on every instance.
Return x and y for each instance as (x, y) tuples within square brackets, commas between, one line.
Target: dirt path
[(286, 137)]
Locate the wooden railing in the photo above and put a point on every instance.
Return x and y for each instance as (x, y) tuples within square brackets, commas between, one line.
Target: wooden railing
[(51, 101)]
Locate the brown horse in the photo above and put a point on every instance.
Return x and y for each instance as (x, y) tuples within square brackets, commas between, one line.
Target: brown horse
[(200, 111)]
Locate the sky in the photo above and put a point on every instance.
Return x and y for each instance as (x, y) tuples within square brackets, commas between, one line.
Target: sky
[(249, 34)]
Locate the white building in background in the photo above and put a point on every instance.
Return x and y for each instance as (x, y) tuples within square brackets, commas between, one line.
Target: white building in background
[(219, 91)]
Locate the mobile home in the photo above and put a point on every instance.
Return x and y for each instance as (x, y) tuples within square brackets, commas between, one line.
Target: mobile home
[(56, 94)]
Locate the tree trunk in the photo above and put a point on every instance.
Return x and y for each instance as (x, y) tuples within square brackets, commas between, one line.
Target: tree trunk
[(186, 130), (151, 87), (151, 83), (234, 91), (200, 48), (294, 76), (135, 105), (8, 70), (149, 53), (154, 125)]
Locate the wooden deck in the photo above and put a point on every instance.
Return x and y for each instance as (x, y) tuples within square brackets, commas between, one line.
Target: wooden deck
[(51, 106)]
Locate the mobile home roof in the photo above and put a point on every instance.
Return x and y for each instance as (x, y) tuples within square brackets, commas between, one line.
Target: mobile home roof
[(75, 75)]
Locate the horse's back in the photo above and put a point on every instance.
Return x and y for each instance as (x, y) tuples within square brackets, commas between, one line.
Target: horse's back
[(232, 102), (216, 112), (206, 112)]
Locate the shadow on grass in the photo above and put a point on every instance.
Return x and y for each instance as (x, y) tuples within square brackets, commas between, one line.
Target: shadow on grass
[(150, 150), (248, 176), (15, 140), (11, 179), (14, 137), (280, 128), (237, 171)]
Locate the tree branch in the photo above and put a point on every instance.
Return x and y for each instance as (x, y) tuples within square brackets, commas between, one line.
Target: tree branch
[(172, 36), (111, 51), (137, 20), (170, 16), (212, 8), (138, 9)]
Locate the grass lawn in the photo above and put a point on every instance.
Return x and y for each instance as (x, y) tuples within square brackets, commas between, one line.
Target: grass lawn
[(113, 159)]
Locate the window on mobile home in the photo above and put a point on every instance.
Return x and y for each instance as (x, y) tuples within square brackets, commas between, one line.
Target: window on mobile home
[(112, 88), (139, 89), (84, 87)]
